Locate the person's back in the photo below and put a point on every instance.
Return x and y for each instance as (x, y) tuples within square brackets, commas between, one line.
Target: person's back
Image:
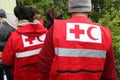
[(24, 45), (5, 30), (77, 48), (83, 51)]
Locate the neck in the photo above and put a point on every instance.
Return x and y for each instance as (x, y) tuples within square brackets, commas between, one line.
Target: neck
[(80, 14)]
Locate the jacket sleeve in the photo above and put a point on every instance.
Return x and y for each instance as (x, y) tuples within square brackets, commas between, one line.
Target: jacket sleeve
[(8, 54), (109, 69), (109, 72), (46, 55)]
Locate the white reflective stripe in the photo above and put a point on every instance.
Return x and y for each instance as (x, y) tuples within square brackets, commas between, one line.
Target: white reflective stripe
[(80, 53), (27, 53)]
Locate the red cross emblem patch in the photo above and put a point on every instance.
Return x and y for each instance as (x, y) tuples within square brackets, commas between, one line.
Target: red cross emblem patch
[(83, 32), (31, 41)]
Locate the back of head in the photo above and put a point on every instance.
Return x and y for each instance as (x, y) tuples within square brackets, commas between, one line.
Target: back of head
[(36, 13), (34, 10), (51, 14), (2, 13), (79, 6), (23, 13)]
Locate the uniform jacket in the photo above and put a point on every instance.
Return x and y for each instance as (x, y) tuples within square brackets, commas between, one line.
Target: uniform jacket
[(22, 50), (5, 30), (81, 50)]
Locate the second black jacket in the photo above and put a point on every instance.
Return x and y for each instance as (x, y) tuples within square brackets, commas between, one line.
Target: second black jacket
[(5, 30)]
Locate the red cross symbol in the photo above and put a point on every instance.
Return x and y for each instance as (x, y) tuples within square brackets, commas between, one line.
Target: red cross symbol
[(77, 31), (30, 39)]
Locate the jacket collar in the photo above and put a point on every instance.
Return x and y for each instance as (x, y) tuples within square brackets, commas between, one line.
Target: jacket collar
[(25, 22)]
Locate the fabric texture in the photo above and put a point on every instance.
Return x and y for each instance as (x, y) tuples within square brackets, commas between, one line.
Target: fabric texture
[(51, 62), (22, 50), (79, 6), (5, 31)]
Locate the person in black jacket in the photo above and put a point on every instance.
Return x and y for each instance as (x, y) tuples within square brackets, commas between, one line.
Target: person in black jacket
[(5, 29)]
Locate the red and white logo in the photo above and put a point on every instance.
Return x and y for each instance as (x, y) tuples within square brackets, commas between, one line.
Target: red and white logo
[(31, 41), (83, 32)]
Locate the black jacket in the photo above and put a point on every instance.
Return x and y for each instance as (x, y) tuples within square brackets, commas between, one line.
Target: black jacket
[(5, 30)]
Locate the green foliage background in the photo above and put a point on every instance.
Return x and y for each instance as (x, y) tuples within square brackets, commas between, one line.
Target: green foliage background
[(104, 12)]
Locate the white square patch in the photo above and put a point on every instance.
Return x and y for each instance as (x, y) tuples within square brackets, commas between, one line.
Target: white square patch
[(83, 32), (28, 41)]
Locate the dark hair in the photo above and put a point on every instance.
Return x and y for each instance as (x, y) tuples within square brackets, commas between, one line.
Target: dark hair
[(34, 10), (2, 13), (22, 12), (51, 15)]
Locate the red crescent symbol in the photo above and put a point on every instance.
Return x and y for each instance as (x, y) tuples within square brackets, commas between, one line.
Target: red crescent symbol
[(89, 33), (38, 38)]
